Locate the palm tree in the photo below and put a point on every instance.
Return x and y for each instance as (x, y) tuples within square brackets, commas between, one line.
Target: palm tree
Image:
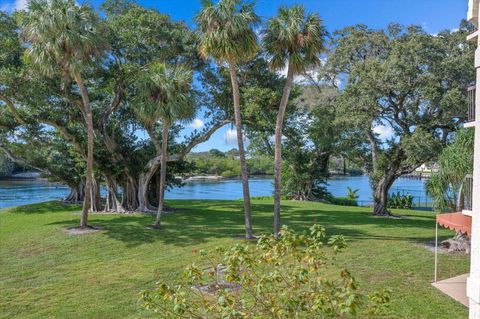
[(352, 194), (292, 40), (64, 39), (164, 94), (227, 35)]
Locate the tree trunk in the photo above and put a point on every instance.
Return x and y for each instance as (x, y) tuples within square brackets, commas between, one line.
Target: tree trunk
[(76, 195), (113, 204), (95, 205), (163, 173), (380, 196), (278, 151), (130, 192), (143, 182), (90, 140), (459, 242), (241, 150)]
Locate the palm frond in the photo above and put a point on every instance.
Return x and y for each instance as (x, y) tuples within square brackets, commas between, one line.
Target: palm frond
[(294, 39), (62, 36), (164, 93), (226, 30)]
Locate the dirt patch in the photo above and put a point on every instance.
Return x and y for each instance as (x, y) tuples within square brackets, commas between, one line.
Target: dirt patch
[(442, 249), (112, 213), (390, 216), (83, 230)]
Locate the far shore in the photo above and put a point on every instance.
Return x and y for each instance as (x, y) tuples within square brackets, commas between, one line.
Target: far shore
[(216, 177), (203, 178)]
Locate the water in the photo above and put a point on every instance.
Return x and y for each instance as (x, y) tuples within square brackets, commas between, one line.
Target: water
[(227, 189), (338, 186), (22, 192)]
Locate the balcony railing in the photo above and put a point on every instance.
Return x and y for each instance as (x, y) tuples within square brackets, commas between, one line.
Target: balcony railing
[(467, 189), (473, 35), (471, 103)]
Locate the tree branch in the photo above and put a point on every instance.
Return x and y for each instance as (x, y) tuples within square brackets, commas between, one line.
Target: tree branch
[(13, 110), (19, 160), (177, 157), (67, 135), (204, 137)]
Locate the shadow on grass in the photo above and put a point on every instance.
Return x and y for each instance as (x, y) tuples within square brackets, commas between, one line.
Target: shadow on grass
[(200, 221), (45, 207)]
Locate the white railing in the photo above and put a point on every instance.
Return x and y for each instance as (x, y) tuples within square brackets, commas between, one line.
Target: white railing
[(467, 190), (471, 103)]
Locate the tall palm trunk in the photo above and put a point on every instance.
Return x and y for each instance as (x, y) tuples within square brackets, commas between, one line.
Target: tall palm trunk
[(241, 149), (90, 139), (278, 151), (163, 172)]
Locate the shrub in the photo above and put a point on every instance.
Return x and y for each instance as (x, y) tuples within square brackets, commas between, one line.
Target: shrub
[(352, 193), (343, 201), (261, 197), (400, 201), (276, 278)]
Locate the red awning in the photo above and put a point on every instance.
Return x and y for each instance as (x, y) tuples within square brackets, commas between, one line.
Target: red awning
[(456, 221)]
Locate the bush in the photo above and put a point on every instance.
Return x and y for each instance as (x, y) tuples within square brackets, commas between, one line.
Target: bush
[(229, 173), (261, 197), (284, 278), (343, 201), (400, 201), (352, 193)]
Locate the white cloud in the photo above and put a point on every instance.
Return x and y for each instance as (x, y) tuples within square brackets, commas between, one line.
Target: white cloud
[(299, 79), (384, 132), (196, 124), (303, 79), (231, 137), (20, 4)]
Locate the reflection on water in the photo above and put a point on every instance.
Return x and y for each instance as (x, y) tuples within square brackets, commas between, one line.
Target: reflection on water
[(22, 192)]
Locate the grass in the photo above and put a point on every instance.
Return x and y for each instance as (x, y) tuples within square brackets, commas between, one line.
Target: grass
[(47, 274)]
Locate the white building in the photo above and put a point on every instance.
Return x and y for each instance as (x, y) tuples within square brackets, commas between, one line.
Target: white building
[(473, 281), (469, 220)]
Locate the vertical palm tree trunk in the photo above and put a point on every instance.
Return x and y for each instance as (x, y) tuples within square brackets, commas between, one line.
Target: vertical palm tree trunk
[(241, 149), (90, 139), (163, 173), (278, 151)]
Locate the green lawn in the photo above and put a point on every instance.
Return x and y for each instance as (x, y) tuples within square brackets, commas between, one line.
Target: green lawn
[(47, 274)]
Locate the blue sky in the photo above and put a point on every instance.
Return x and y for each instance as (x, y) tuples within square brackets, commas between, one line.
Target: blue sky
[(432, 15)]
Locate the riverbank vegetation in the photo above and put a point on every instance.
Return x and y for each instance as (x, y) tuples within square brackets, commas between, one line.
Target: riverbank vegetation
[(46, 273), (226, 164)]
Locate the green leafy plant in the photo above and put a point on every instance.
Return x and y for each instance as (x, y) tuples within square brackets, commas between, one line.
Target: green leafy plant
[(352, 193), (276, 278), (400, 201), (342, 201)]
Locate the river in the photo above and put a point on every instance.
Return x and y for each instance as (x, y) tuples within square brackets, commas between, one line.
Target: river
[(22, 192)]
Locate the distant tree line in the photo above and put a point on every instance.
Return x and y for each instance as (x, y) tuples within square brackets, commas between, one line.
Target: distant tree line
[(225, 164)]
